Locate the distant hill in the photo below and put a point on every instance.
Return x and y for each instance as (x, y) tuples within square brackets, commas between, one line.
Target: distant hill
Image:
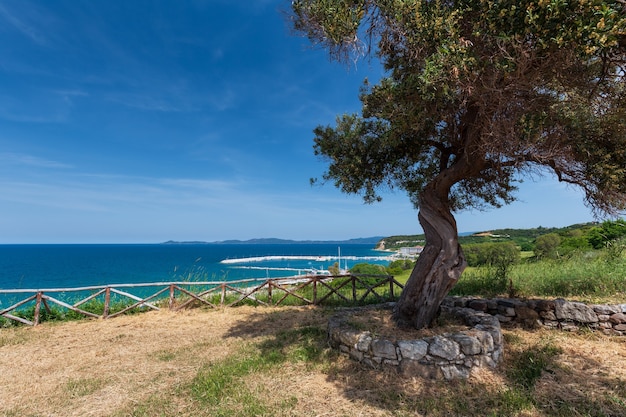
[(522, 237), (274, 241)]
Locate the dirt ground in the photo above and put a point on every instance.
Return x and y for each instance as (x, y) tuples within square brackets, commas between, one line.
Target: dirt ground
[(99, 367)]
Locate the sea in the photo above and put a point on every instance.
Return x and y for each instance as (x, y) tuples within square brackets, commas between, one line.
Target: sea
[(69, 266)]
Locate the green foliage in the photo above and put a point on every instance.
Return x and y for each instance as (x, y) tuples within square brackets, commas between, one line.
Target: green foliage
[(586, 276), (334, 269), (574, 239), (400, 266), (368, 269), (498, 258), (546, 246), (610, 230), (514, 84), (491, 254)]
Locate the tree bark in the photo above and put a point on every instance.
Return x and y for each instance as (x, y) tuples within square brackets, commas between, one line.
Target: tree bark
[(438, 267)]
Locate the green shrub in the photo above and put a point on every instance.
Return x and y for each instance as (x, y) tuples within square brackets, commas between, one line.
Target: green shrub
[(399, 266), (368, 269), (546, 246)]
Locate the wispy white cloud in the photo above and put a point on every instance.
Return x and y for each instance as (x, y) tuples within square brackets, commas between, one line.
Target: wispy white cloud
[(39, 105), (8, 158), (18, 22)]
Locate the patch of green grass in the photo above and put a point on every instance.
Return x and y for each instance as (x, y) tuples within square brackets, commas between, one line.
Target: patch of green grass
[(221, 386), (460, 399), (82, 386), (529, 364)]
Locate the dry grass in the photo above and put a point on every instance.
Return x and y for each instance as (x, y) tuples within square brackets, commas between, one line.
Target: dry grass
[(145, 365)]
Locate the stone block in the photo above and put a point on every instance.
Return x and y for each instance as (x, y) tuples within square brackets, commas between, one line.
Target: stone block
[(413, 349), (371, 362), (489, 320), (390, 362), (606, 309), (455, 372), (478, 305), (618, 318), (492, 305), (350, 337), (486, 340), (469, 345), (496, 355), (495, 332), (356, 355), (545, 305), (504, 319), (383, 349), (443, 348), (620, 327), (487, 361), (509, 302), (506, 311), (414, 368), (548, 315), (526, 316), (574, 311), (364, 342), (570, 327)]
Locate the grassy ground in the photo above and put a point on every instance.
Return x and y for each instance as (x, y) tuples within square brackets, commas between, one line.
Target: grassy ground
[(275, 362)]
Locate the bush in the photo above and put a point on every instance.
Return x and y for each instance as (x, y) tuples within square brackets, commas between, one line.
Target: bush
[(368, 269), (491, 254), (610, 230), (546, 246), (399, 266)]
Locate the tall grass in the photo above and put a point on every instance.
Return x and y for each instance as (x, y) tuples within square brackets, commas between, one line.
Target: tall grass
[(587, 276)]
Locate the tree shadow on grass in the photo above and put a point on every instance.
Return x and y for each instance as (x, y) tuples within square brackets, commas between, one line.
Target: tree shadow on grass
[(537, 379), (545, 373), (270, 321)]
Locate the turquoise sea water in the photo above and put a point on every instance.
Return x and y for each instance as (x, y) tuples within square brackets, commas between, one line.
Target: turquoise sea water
[(67, 266)]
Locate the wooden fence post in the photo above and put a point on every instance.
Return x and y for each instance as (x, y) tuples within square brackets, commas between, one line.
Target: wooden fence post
[(223, 296), (37, 309), (353, 288), (390, 279), (315, 290), (171, 302), (269, 291), (107, 302)]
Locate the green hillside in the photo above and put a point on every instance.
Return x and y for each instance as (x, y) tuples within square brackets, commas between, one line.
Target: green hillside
[(592, 235)]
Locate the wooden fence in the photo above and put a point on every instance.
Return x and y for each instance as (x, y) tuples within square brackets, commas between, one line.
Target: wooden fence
[(306, 290)]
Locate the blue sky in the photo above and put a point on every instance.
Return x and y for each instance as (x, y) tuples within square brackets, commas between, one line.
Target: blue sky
[(145, 121)]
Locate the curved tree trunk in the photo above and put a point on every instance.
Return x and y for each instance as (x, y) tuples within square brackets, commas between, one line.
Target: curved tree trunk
[(438, 267)]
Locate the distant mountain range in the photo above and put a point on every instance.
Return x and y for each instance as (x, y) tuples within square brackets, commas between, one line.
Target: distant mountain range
[(274, 241)]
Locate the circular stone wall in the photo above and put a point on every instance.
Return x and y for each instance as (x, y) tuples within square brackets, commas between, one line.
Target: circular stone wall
[(449, 355)]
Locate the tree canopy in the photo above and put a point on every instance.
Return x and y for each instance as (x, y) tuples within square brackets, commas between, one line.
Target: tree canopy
[(477, 95), (482, 90)]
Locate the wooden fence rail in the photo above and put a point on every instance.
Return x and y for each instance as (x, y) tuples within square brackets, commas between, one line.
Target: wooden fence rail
[(311, 289)]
